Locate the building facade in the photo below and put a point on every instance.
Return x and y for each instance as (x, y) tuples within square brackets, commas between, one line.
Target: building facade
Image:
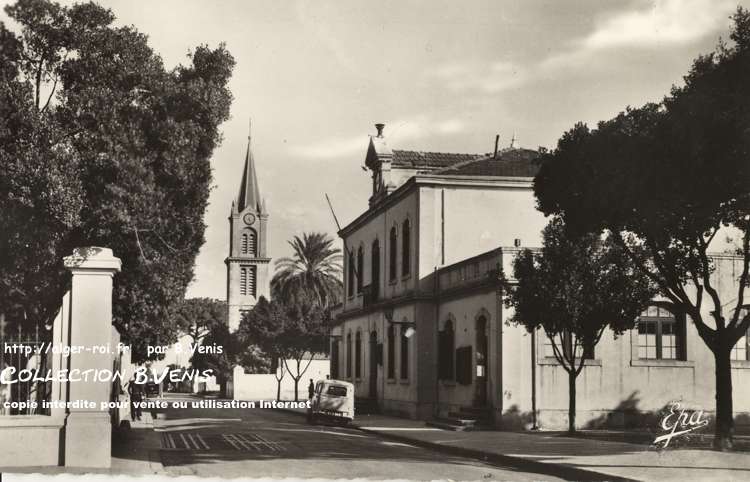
[(248, 261), (423, 330)]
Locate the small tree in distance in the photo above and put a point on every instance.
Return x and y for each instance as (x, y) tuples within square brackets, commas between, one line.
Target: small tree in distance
[(263, 328), (574, 289), (306, 335)]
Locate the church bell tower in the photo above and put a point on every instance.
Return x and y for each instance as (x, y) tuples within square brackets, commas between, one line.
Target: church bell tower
[(248, 261)]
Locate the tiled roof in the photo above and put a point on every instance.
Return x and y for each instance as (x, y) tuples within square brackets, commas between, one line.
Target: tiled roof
[(509, 163), (429, 161)]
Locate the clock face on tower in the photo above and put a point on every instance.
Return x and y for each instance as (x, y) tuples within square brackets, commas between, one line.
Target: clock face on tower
[(249, 218)]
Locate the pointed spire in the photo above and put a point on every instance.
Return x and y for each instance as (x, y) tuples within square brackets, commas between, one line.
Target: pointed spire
[(249, 195)]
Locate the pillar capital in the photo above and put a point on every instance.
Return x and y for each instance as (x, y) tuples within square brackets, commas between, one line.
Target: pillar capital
[(94, 259)]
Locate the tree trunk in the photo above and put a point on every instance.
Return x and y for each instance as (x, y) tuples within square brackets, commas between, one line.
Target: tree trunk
[(571, 401), (296, 389), (724, 438), (278, 389)]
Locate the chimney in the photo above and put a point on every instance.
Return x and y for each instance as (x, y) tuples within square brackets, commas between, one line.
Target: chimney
[(380, 128)]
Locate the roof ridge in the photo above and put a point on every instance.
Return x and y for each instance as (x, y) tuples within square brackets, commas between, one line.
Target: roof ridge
[(440, 152), (459, 165)]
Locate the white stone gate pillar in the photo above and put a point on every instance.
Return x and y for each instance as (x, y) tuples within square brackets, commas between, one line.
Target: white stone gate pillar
[(88, 431)]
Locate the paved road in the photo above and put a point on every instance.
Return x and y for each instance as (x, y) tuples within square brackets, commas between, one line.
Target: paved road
[(278, 444)]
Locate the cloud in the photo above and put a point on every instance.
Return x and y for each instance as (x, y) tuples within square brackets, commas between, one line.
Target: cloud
[(657, 24), (416, 127), (482, 77), (662, 22)]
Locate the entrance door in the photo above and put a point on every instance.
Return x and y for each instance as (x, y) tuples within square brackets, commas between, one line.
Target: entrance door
[(374, 365), (480, 379)]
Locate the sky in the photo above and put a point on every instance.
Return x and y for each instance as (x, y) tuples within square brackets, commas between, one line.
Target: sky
[(442, 75)]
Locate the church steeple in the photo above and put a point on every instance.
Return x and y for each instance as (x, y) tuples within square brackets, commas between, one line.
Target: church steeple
[(249, 194), (248, 276)]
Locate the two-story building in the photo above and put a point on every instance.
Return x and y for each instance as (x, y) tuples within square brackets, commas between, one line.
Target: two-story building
[(423, 329)]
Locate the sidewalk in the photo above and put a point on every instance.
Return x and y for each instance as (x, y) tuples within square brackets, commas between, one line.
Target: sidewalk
[(567, 457), (135, 452)]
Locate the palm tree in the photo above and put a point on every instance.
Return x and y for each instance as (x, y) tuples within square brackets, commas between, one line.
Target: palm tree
[(312, 273)]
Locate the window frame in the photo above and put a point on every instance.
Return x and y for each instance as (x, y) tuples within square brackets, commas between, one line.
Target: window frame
[(360, 268), (393, 254), (358, 355), (676, 319), (404, 354), (406, 248), (447, 365), (351, 276), (349, 370), (391, 368)]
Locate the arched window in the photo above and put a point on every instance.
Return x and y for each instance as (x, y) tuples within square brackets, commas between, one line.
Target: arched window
[(405, 248), (349, 355), (391, 352), (360, 267), (661, 334), (350, 275), (446, 352), (375, 269), (392, 255), (248, 244), (358, 356), (740, 351), (404, 362)]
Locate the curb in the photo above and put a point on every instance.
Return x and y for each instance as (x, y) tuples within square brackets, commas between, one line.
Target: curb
[(544, 468)]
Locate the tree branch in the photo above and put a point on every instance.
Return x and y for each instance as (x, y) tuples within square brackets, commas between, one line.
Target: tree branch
[(743, 279), (54, 86), (706, 275)]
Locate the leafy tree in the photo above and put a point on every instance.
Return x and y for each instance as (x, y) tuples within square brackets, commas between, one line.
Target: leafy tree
[(290, 335), (221, 364), (101, 145), (313, 272), (666, 179), (196, 317), (574, 289), (205, 321), (263, 328), (305, 335)]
